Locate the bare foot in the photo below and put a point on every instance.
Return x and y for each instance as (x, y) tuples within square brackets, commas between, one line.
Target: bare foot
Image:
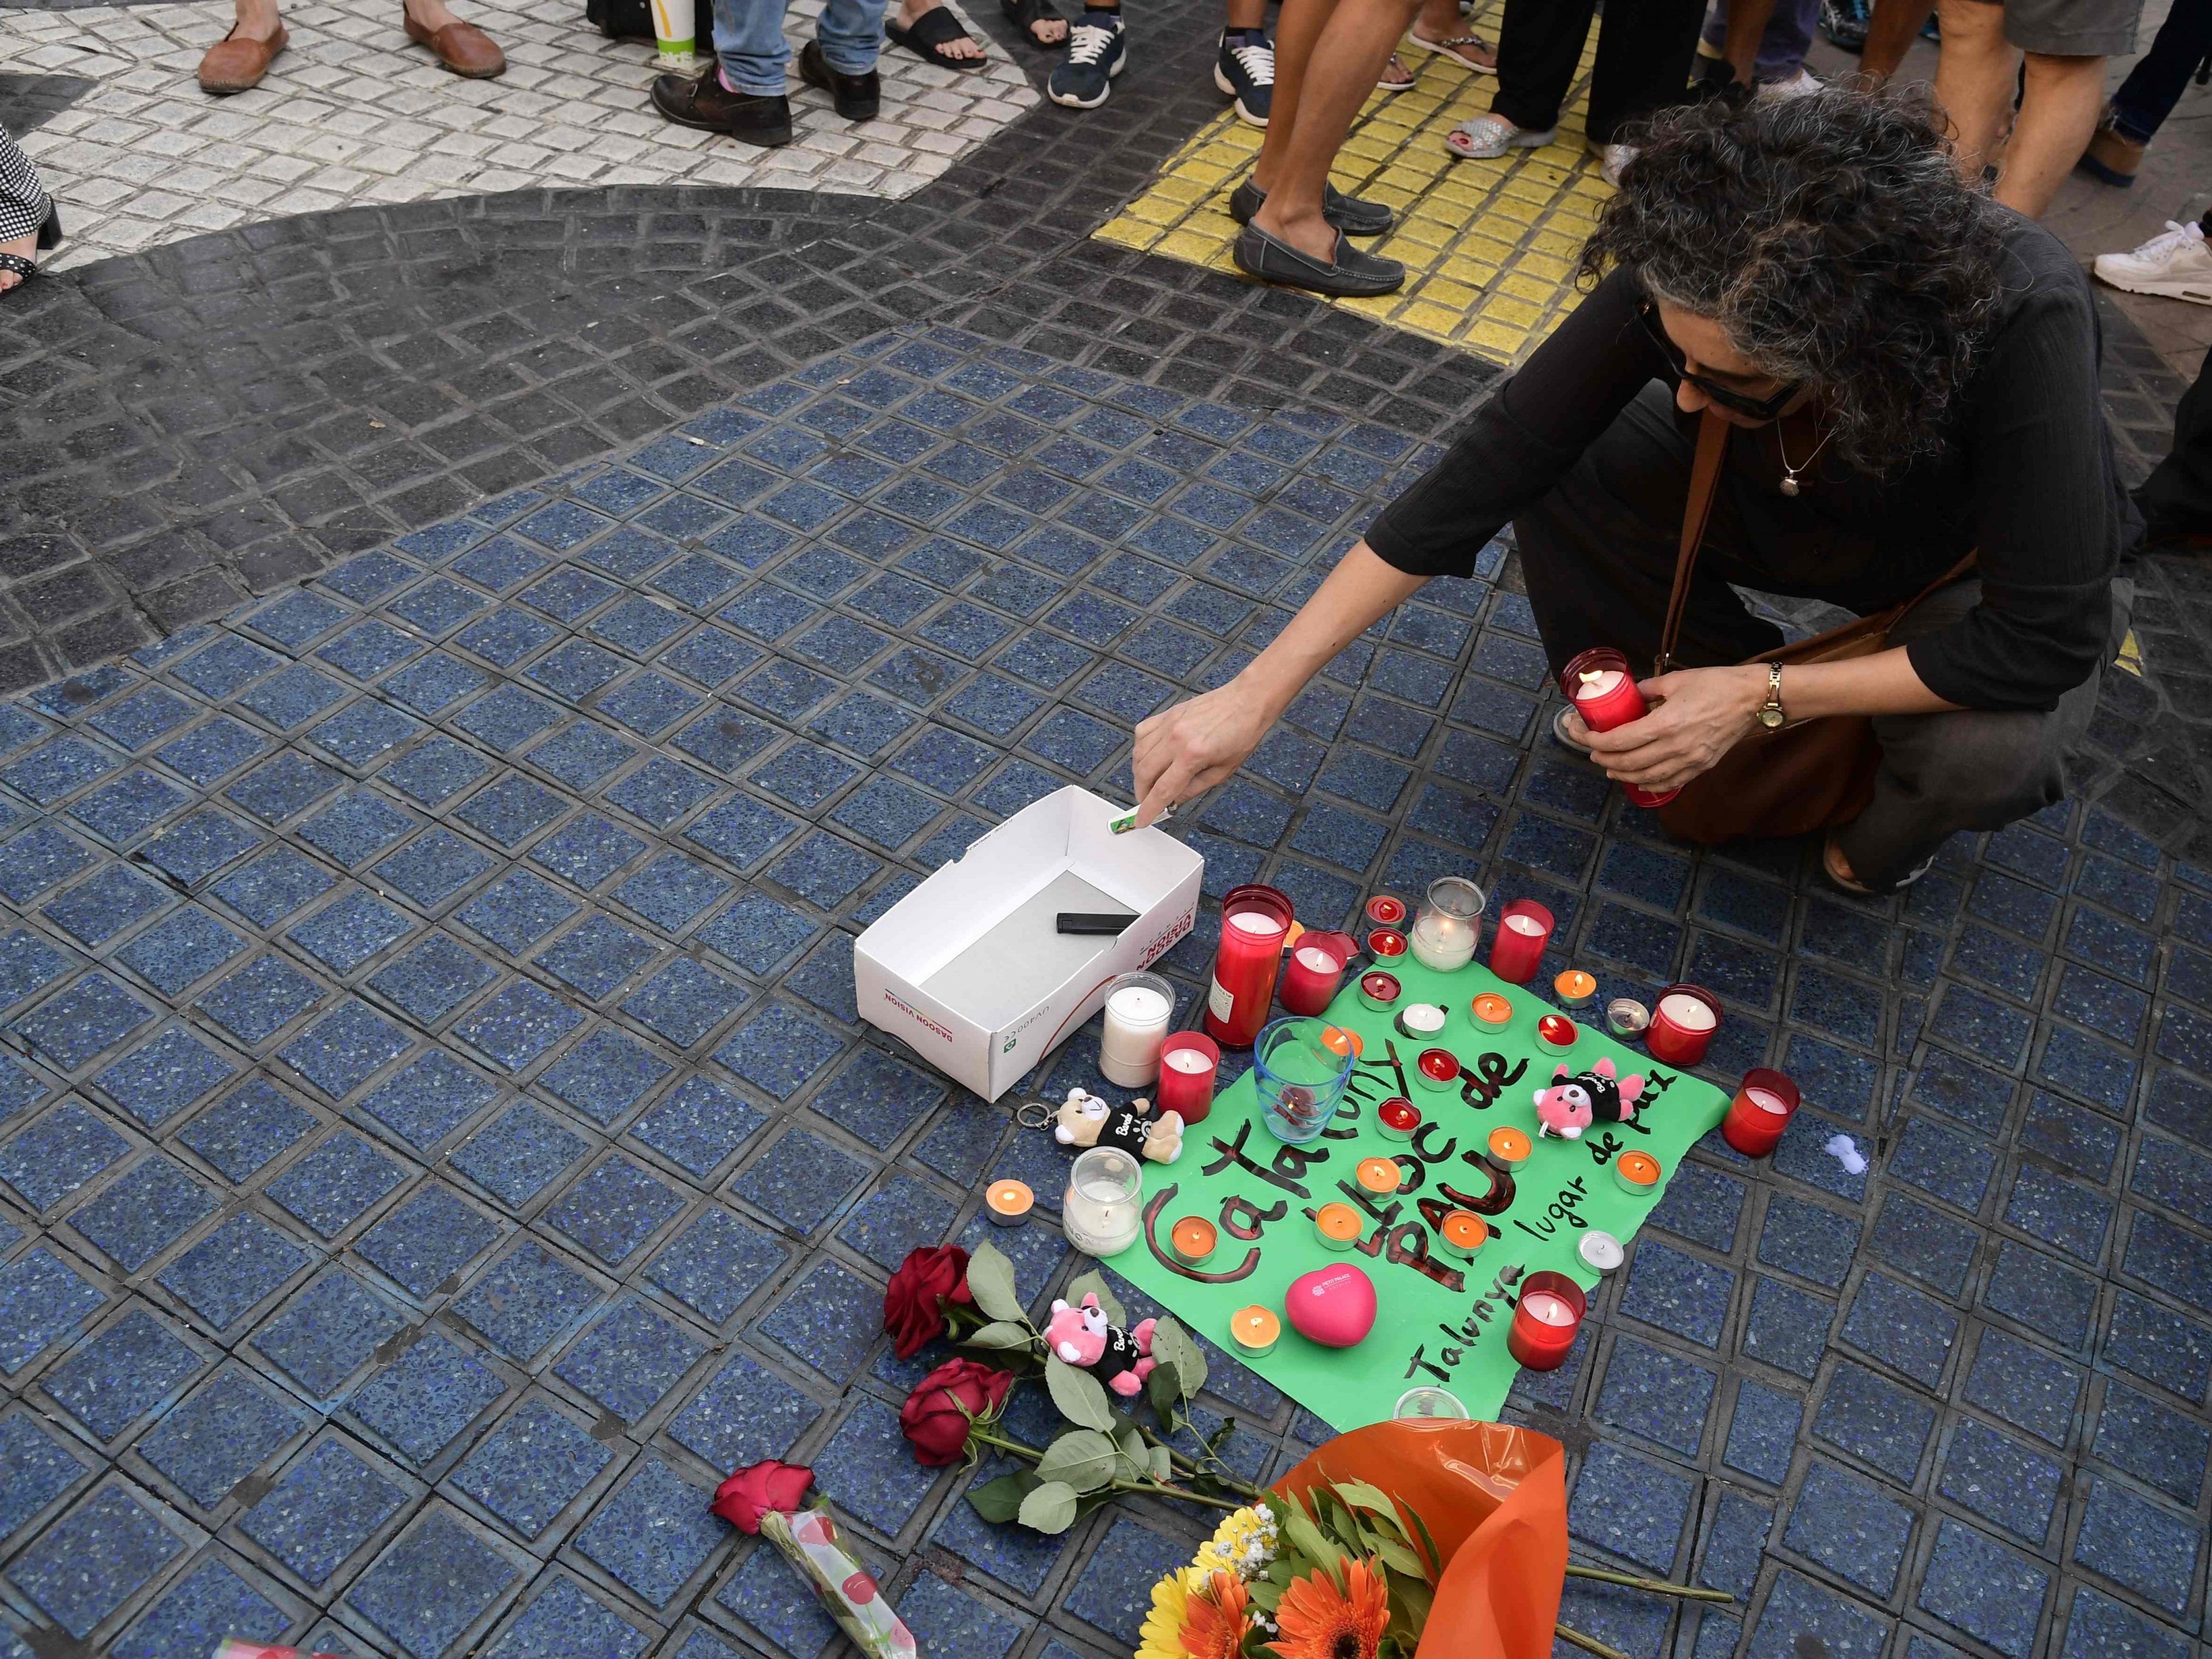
[(965, 49), (1049, 31), (257, 20), (432, 14), (1474, 52), (27, 247)]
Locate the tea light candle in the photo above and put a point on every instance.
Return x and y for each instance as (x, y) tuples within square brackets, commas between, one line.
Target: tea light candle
[(1760, 1112), (1600, 1252), (1314, 971), (1342, 1040), (1337, 1226), (1420, 1020), (1008, 1203), (1190, 1069), (1637, 1173), (1100, 1213), (1627, 1018), (1397, 1119), (1524, 926), (1380, 1176), (1605, 695), (1445, 931), (1192, 1239), (1436, 1069), (1574, 988), (1557, 1033), (1683, 1025), (1463, 1232), (1138, 1009), (1385, 942), (1386, 910), (1379, 990), (1544, 1324), (1254, 1329), (1509, 1147), (1428, 1404), (1490, 1009)]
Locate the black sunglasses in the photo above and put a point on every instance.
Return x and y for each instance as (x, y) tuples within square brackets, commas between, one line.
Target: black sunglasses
[(1757, 409)]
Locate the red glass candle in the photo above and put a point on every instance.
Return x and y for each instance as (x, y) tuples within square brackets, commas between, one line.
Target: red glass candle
[(1545, 1323), (1386, 910), (1398, 1119), (1314, 971), (1604, 695), (1557, 1033), (1190, 1066), (1384, 943), (1436, 1069), (1682, 1025), (1517, 950), (1378, 990), (1760, 1112), (1255, 922)]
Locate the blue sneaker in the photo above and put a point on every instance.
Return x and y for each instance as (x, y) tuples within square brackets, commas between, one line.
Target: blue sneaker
[(1096, 53)]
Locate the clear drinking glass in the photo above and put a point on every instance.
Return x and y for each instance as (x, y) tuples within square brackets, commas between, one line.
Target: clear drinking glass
[(1105, 1193), (1300, 1077)]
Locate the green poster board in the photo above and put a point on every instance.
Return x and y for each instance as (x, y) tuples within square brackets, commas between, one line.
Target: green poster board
[(1441, 1319)]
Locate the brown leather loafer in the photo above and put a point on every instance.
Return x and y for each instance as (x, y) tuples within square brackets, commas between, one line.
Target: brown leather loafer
[(233, 65), (461, 47)]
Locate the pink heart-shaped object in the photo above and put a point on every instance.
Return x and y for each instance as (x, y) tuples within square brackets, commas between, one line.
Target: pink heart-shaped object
[(1333, 1306)]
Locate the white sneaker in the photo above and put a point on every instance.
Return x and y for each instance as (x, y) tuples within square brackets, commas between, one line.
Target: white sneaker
[(1797, 86), (2175, 263), (1487, 137), (1612, 159)]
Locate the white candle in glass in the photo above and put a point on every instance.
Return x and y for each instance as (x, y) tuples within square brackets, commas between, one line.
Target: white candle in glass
[(1137, 1015), (1598, 683), (1258, 923), (1316, 960), (1551, 1309), (1691, 1013), (1443, 933), (1767, 1101), (1189, 1060), (1525, 925), (1099, 1213)]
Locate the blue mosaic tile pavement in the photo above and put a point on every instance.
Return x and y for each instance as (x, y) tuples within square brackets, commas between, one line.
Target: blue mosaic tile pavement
[(437, 1140)]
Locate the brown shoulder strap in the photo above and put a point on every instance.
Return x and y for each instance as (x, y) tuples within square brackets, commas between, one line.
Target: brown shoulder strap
[(1705, 484)]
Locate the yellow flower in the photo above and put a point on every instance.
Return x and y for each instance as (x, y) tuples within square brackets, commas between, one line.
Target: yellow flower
[(1162, 1636), (1227, 1551)]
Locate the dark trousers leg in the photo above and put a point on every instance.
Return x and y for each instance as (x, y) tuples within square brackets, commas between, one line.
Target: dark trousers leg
[(1598, 552), (2154, 85), (1645, 50), (2176, 498), (1539, 43), (1941, 773)]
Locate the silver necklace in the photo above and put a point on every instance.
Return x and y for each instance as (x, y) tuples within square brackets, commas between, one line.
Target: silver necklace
[(1789, 484)]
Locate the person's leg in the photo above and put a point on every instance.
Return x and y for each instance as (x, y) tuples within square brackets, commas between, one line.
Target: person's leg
[(1643, 56), (1941, 773), (1895, 25), (1740, 40), (1539, 46), (851, 34), (1439, 28), (1244, 63), (24, 205), (2058, 113), (963, 47), (238, 61), (1974, 77), (2176, 498), (750, 53), (1324, 71), (2154, 85)]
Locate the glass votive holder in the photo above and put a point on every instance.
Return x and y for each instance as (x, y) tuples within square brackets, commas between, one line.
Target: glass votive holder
[(1140, 1008), (1300, 1077), (1105, 1193), (1445, 931)]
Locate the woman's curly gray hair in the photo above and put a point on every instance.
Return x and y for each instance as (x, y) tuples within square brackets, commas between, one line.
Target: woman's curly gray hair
[(1832, 238)]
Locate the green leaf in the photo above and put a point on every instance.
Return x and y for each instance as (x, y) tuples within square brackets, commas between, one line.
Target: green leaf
[(991, 1282), (1363, 1495), (999, 1499), (1163, 1387), (1050, 1508), (1219, 1438), (1094, 1284), (1411, 1600), (999, 1334), (1084, 1458), (1300, 1528), (1189, 1358), (1163, 1466), (1079, 1396), (1397, 1556), (1265, 1594), (1136, 1455), (1432, 1559)]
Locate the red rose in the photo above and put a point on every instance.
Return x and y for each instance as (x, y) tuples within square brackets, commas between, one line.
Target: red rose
[(937, 1414), (754, 1491), (910, 1311)]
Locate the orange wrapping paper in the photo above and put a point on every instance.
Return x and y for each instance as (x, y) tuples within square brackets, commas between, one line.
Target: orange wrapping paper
[(1495, 1498)]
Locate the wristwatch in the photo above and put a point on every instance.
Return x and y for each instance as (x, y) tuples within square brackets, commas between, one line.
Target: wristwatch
[(1769, 713)]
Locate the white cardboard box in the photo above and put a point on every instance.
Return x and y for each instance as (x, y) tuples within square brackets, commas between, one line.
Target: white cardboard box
[(970, 970)]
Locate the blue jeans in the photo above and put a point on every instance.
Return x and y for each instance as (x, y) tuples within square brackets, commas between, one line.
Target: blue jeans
[(2148, 97), (754, 55), (1782, 48)]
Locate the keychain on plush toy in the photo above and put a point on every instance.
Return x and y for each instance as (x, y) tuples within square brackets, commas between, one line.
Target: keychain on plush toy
[(1083, 1336), (1084, 1119), (1571, 1104)]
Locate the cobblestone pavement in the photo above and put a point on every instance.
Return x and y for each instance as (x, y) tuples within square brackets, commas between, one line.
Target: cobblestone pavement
[(351, 114), (438, 1137)]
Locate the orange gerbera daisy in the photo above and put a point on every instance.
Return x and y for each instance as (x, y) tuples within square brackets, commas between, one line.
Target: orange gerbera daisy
[(1319, 1622), (1216, 1624)]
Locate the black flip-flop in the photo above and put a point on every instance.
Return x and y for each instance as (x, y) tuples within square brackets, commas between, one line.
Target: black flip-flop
[(1026, 14), (934, 28)]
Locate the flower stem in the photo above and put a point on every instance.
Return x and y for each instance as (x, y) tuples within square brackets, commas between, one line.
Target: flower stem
[(1587, 1643), (1656, 1586), (1156, 1488), (1221, 1474)]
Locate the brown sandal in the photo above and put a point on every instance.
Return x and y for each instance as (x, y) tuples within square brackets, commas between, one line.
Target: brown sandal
[(461, 47)]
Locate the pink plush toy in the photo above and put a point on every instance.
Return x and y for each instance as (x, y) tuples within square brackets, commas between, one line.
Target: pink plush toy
[(1571, 1104), (1084, 1336)]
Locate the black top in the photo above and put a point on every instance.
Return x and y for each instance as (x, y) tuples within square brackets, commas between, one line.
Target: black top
[(2027, 478)]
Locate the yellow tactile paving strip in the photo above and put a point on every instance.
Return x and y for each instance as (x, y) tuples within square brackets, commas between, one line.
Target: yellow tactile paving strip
[(1489, 246)]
